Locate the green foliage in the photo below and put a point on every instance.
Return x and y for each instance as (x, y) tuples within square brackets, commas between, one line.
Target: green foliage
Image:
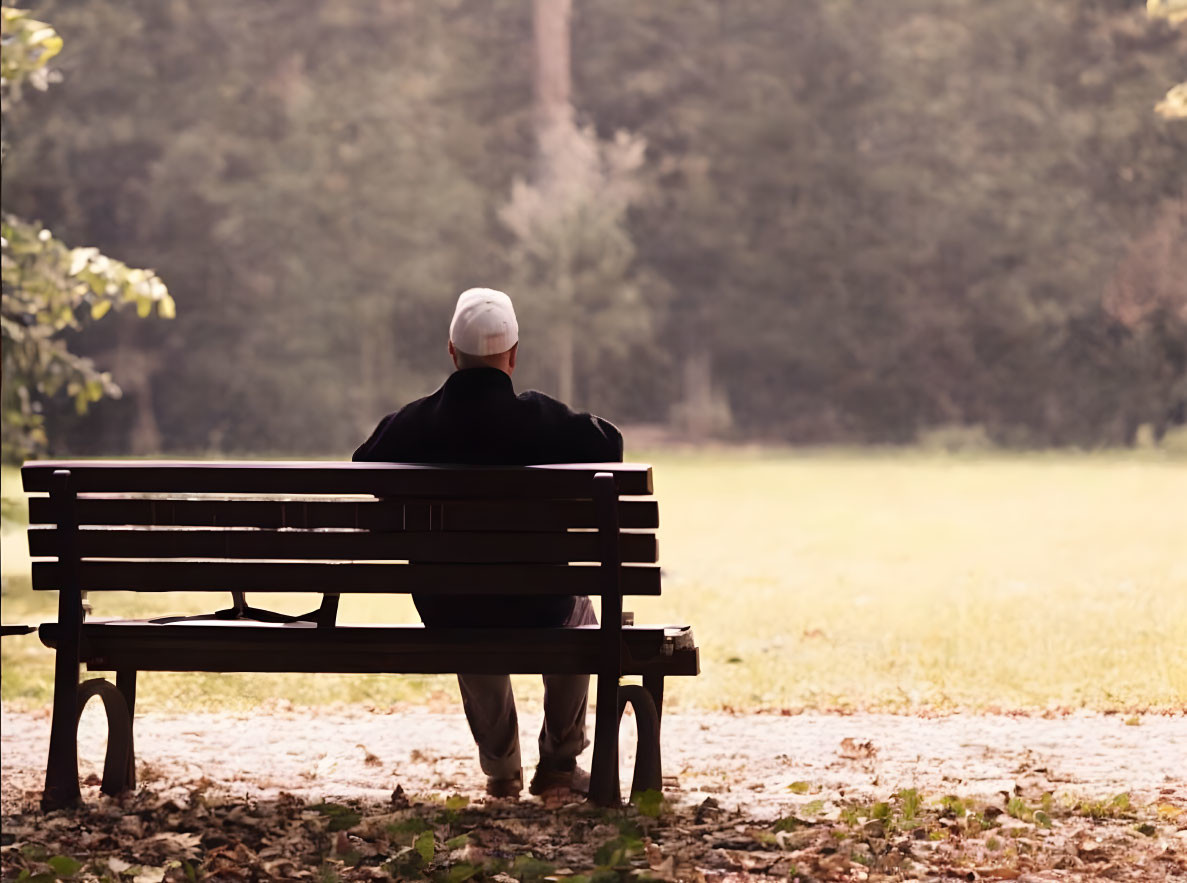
[(1016, 808), (64, 865), (48, 288), (787, 823), (528, 868), (425, 846), (619, 851), (829, 222), (414, 826), (342, 818), (909, 804), (458, 873), (1118, 806), (953, 805), (650, 804), (918, 264), (28, 46)]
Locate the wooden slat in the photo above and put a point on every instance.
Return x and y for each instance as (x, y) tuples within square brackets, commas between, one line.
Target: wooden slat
[(371, 514), (345, 577), (224, 647), (355, 545), (565, 480), (550, 515)]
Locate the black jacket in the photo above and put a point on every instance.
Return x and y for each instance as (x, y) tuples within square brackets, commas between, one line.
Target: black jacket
[(476, 418)]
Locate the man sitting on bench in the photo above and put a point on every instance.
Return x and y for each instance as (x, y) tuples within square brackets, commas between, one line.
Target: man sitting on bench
[(476, 418)]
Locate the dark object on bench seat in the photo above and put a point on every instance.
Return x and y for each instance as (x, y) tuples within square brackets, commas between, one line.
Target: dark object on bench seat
[(334, 528)]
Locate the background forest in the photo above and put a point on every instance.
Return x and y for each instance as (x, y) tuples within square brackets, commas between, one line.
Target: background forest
[(795, 221)]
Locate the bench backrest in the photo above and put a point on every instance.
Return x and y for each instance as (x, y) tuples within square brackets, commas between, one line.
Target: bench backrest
[(340, 527)]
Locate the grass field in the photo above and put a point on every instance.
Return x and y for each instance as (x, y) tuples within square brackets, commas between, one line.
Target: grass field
[(898, 581)]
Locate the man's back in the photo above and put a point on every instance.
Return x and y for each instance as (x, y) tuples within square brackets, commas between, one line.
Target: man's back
[(476, 418)]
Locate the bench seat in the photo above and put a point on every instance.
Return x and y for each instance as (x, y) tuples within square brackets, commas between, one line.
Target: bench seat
[(248, 646)]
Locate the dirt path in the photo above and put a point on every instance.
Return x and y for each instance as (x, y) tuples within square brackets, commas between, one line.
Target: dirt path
[(746, 762)]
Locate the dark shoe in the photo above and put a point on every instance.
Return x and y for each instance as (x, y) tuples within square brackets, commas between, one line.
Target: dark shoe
[(549, 778), (509, 787)]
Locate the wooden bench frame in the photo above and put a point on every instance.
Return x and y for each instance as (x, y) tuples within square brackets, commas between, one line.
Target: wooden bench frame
[(337, 528)]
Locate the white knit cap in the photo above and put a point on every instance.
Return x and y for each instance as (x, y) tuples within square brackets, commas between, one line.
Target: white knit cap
[(483, 323)]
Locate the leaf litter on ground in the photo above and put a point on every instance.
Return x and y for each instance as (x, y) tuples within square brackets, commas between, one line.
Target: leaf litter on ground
[(161, 834)]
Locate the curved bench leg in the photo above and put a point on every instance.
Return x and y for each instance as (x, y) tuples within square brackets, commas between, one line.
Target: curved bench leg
[(648, 770), (119, 766)]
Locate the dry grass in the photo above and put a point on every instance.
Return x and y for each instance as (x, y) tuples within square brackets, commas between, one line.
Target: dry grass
[(897, 581), (911, 581)]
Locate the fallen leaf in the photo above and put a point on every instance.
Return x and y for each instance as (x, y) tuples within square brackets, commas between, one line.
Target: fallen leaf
[(854, 750), (187, 845), (64, 865), (999, 873)]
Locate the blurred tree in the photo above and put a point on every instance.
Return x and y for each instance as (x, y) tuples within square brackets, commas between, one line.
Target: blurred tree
[(745, 109), (1148, 298), (49, 288), (306, 181), (879, 220), (849, 223), (572, 255)]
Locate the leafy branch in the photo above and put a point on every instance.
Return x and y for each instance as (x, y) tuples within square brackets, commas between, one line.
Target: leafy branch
[(49, 288)]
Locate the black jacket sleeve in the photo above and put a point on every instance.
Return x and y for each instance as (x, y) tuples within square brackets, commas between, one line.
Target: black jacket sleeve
[(608, 447), (368, 450)]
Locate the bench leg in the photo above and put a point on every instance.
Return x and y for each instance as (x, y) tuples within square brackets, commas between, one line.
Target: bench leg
[(604, 789), (119, 765), (654, 684), (125, 682), (61, 772), (648, 770)]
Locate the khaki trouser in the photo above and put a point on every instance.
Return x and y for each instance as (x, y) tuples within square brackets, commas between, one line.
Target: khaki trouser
[(490, 711)]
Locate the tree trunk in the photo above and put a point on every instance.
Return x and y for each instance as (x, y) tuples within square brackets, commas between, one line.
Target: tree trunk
[(364, 393), (553, 110), (703, 410), (133, 370), (564, 363), (552, 83)]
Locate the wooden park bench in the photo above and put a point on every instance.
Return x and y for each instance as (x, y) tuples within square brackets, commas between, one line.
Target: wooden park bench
[(334, 528)]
